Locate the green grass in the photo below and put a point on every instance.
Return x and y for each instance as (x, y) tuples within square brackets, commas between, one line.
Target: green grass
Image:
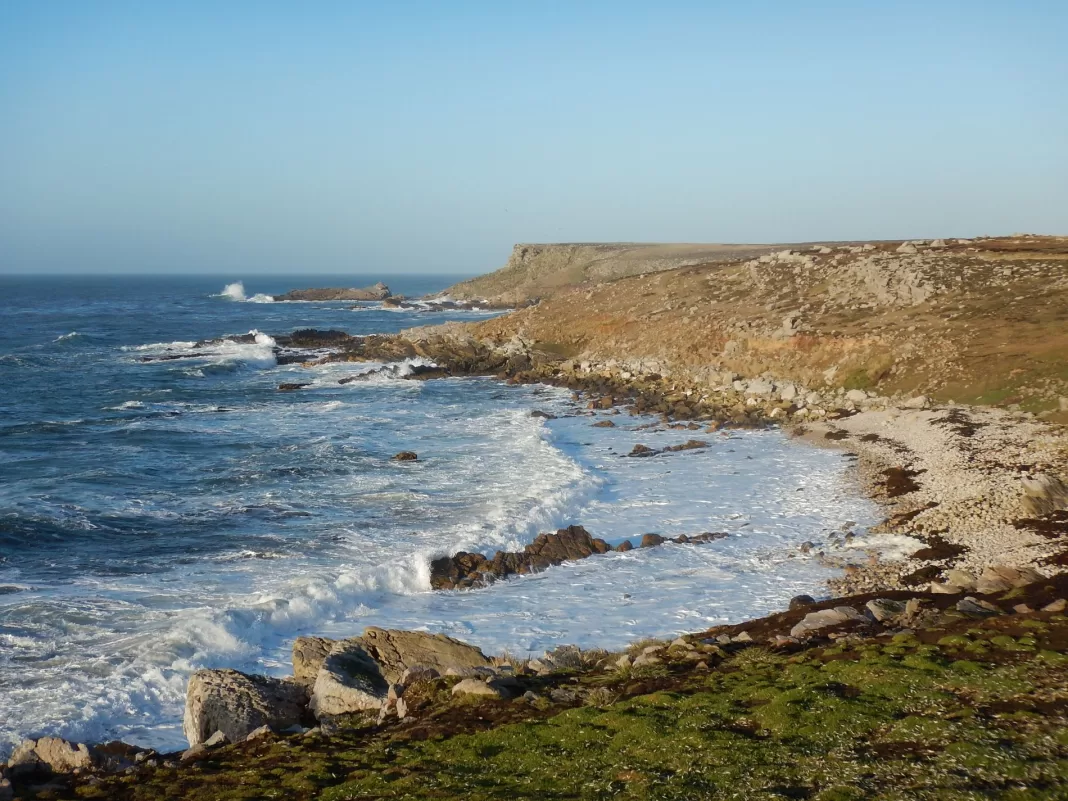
[(978, 712)]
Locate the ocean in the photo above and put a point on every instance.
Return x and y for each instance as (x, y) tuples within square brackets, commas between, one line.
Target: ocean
[(158, 515)]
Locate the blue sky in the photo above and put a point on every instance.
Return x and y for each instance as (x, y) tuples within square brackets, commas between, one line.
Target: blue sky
[(422, 137)]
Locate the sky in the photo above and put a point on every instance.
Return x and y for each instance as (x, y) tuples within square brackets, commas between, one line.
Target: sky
[(334, 137)]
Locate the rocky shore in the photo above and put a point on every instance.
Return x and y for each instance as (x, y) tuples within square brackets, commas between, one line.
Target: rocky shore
[(954, 655), (870, 696)]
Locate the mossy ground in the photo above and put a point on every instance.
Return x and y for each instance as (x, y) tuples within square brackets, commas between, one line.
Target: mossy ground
[(965, 709)]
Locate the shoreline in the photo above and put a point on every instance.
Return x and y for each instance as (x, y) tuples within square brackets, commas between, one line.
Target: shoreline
[(949, 475)]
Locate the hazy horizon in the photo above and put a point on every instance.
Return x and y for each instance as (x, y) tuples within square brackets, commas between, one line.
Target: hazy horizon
[(347, 138)]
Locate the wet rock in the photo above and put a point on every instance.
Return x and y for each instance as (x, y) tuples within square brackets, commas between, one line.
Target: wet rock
[(651, 540), (465, 570), (687, 446), (236, 703), (624, 546), (405, 456), (801, 601), (640, 450), (543, 415), (308, 656), (7, 792), (604, 424), (290, 387)]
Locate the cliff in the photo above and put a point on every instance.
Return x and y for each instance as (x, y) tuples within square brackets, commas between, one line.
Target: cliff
[(537, 271)]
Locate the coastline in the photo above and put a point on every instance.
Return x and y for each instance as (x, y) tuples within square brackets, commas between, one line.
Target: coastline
[(976, 487)]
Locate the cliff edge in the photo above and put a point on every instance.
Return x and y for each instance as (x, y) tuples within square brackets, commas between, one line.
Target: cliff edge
[(535, 271)]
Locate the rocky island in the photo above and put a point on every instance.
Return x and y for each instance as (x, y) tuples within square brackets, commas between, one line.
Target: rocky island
[(378, 291), (940, 365)]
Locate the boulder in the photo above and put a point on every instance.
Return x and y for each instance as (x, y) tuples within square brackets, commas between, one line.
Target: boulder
[(348, 681), (308, 656), (398, 652), (651, 541), (235, 704), (478, 687), (1016, 576), (405, 456), (918, 402), (883, 609), (466, 570), (1043, 495), (604, 424), (642, 450), (624, 546), (49, 755), (358, 673), (960, 578), (973, 606), (856, 395), (801, 601), (824, 618), (759, 386)]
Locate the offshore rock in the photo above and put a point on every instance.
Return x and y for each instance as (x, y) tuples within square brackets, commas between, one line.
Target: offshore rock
[(377, 292), (467, 570)]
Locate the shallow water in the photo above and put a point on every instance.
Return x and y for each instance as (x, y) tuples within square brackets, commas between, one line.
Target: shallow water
[(156, 517)]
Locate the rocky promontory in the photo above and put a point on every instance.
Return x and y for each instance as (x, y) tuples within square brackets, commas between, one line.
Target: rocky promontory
[(377, 292)]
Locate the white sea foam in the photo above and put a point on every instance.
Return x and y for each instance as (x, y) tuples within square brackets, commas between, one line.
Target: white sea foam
[(236, 292), (65, 337), (489, 477)]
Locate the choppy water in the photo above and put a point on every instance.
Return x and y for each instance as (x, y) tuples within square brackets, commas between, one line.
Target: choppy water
[(156, 517)]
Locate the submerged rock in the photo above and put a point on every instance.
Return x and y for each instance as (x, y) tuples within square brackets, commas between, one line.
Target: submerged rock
[(405, 456)]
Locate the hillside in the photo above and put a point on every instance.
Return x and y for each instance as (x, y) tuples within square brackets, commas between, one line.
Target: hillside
[(977, 321), (537, 271)]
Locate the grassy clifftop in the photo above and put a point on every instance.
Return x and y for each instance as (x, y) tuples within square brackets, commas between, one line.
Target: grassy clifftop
[(978, 321), (537, 271)]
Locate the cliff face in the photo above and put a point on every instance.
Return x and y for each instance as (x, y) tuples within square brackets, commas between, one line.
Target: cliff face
[(538, 271)]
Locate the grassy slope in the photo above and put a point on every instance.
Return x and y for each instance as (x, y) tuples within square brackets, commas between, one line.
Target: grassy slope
[(995, 332), (965, 709)]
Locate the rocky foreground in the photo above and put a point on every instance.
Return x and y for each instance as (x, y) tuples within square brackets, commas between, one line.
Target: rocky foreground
[(887, 696)]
